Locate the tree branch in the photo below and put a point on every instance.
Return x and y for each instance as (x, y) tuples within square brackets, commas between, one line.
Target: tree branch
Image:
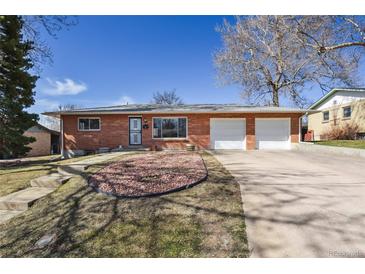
[(323, 49)]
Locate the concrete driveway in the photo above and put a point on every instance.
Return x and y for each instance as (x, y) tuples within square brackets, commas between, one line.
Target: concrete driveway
[(301, 204)]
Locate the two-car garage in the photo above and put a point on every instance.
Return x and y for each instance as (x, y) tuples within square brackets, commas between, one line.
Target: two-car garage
[(230, 133)]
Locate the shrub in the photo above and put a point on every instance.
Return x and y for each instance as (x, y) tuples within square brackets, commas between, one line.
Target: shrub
[(345, 132)]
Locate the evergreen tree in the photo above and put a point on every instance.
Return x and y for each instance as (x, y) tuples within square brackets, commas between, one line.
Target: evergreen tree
[(16, 88)]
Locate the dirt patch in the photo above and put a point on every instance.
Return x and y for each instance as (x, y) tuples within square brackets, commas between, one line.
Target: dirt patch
[(150, 174)]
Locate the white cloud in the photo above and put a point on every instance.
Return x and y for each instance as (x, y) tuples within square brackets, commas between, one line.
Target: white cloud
[(66, 87), (124, 100)]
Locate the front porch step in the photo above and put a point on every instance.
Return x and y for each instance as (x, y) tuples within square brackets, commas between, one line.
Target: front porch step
[(8, 214), (136, 148), (71, 170), (53, 180), (23, 199)]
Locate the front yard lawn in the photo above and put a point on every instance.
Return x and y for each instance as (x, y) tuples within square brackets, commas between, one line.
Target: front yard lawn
[(18, 177), (343, 143), (206, 220)]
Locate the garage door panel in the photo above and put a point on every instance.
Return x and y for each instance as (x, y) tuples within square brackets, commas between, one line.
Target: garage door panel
[(274, 138), (272, 134), (228, 145), (228, 133)]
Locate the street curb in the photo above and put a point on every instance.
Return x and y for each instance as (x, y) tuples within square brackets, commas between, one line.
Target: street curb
[(357, 152)]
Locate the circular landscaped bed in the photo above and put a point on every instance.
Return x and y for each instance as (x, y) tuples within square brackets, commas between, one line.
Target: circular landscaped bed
[(149, 174)]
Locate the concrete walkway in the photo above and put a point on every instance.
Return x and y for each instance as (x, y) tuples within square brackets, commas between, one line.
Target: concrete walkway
[(76, 168), (17, 202), (301, 204)]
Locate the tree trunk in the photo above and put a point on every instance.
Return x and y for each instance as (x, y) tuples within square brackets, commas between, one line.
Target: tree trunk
[(275, 97)]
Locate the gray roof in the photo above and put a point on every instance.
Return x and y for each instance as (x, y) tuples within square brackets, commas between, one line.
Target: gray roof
[(194, 108), (332, 92), (50, 123)]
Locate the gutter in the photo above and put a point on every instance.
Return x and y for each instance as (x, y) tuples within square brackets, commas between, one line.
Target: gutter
[(58, 114)]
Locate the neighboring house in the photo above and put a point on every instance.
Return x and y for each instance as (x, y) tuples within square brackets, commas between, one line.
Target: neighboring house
[(210, 126), (47, 135), (337, 107)]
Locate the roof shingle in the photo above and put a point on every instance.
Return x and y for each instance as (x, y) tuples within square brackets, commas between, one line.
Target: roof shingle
[(192, 108)]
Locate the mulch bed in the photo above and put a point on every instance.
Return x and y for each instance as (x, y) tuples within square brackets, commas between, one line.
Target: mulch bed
[(150, 174)]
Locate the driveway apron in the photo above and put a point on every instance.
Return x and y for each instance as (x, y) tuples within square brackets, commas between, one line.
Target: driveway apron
[(301, 204)]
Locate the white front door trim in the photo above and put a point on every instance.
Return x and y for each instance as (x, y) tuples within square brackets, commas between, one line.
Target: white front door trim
[(135, 130)]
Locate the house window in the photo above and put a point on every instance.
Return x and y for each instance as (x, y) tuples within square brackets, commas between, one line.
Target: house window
[(346, 112), (89, 124), (326, 116), (169, 127)]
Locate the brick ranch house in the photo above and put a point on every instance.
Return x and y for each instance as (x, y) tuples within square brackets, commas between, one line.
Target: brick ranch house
[(207, 126)]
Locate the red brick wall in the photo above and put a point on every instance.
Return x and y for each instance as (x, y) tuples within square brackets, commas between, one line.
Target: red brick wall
[(114, 130), (250, 133)]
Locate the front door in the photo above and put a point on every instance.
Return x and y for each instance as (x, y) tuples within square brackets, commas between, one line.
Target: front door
[(135, 130)]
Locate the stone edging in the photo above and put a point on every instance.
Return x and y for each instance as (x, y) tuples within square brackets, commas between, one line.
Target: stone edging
[(153, 194)]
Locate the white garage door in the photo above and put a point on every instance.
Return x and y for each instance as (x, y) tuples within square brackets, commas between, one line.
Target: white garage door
[(228, 134), (272, 133)]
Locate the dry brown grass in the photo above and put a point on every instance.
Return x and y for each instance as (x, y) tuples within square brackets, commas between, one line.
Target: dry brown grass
[(18, 177), (204, 221)]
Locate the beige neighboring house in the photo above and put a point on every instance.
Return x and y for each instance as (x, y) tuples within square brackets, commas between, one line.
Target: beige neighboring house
[(47, 134), (337, 107)]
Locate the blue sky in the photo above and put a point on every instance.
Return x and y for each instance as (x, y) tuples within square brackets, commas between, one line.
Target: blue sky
[(109, 60)]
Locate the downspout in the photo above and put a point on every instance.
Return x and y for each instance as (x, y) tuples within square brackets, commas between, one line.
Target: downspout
[(300, 126), (62, 149)]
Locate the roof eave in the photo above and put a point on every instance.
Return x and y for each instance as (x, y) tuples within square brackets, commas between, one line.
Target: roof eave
[(330, 93), (52, 131), (58, 114), (323, 98)]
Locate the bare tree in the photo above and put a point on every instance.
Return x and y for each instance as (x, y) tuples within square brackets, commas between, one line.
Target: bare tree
[(268, 58), (32, 31), (167, 98), (67, 107), (328, 33)]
